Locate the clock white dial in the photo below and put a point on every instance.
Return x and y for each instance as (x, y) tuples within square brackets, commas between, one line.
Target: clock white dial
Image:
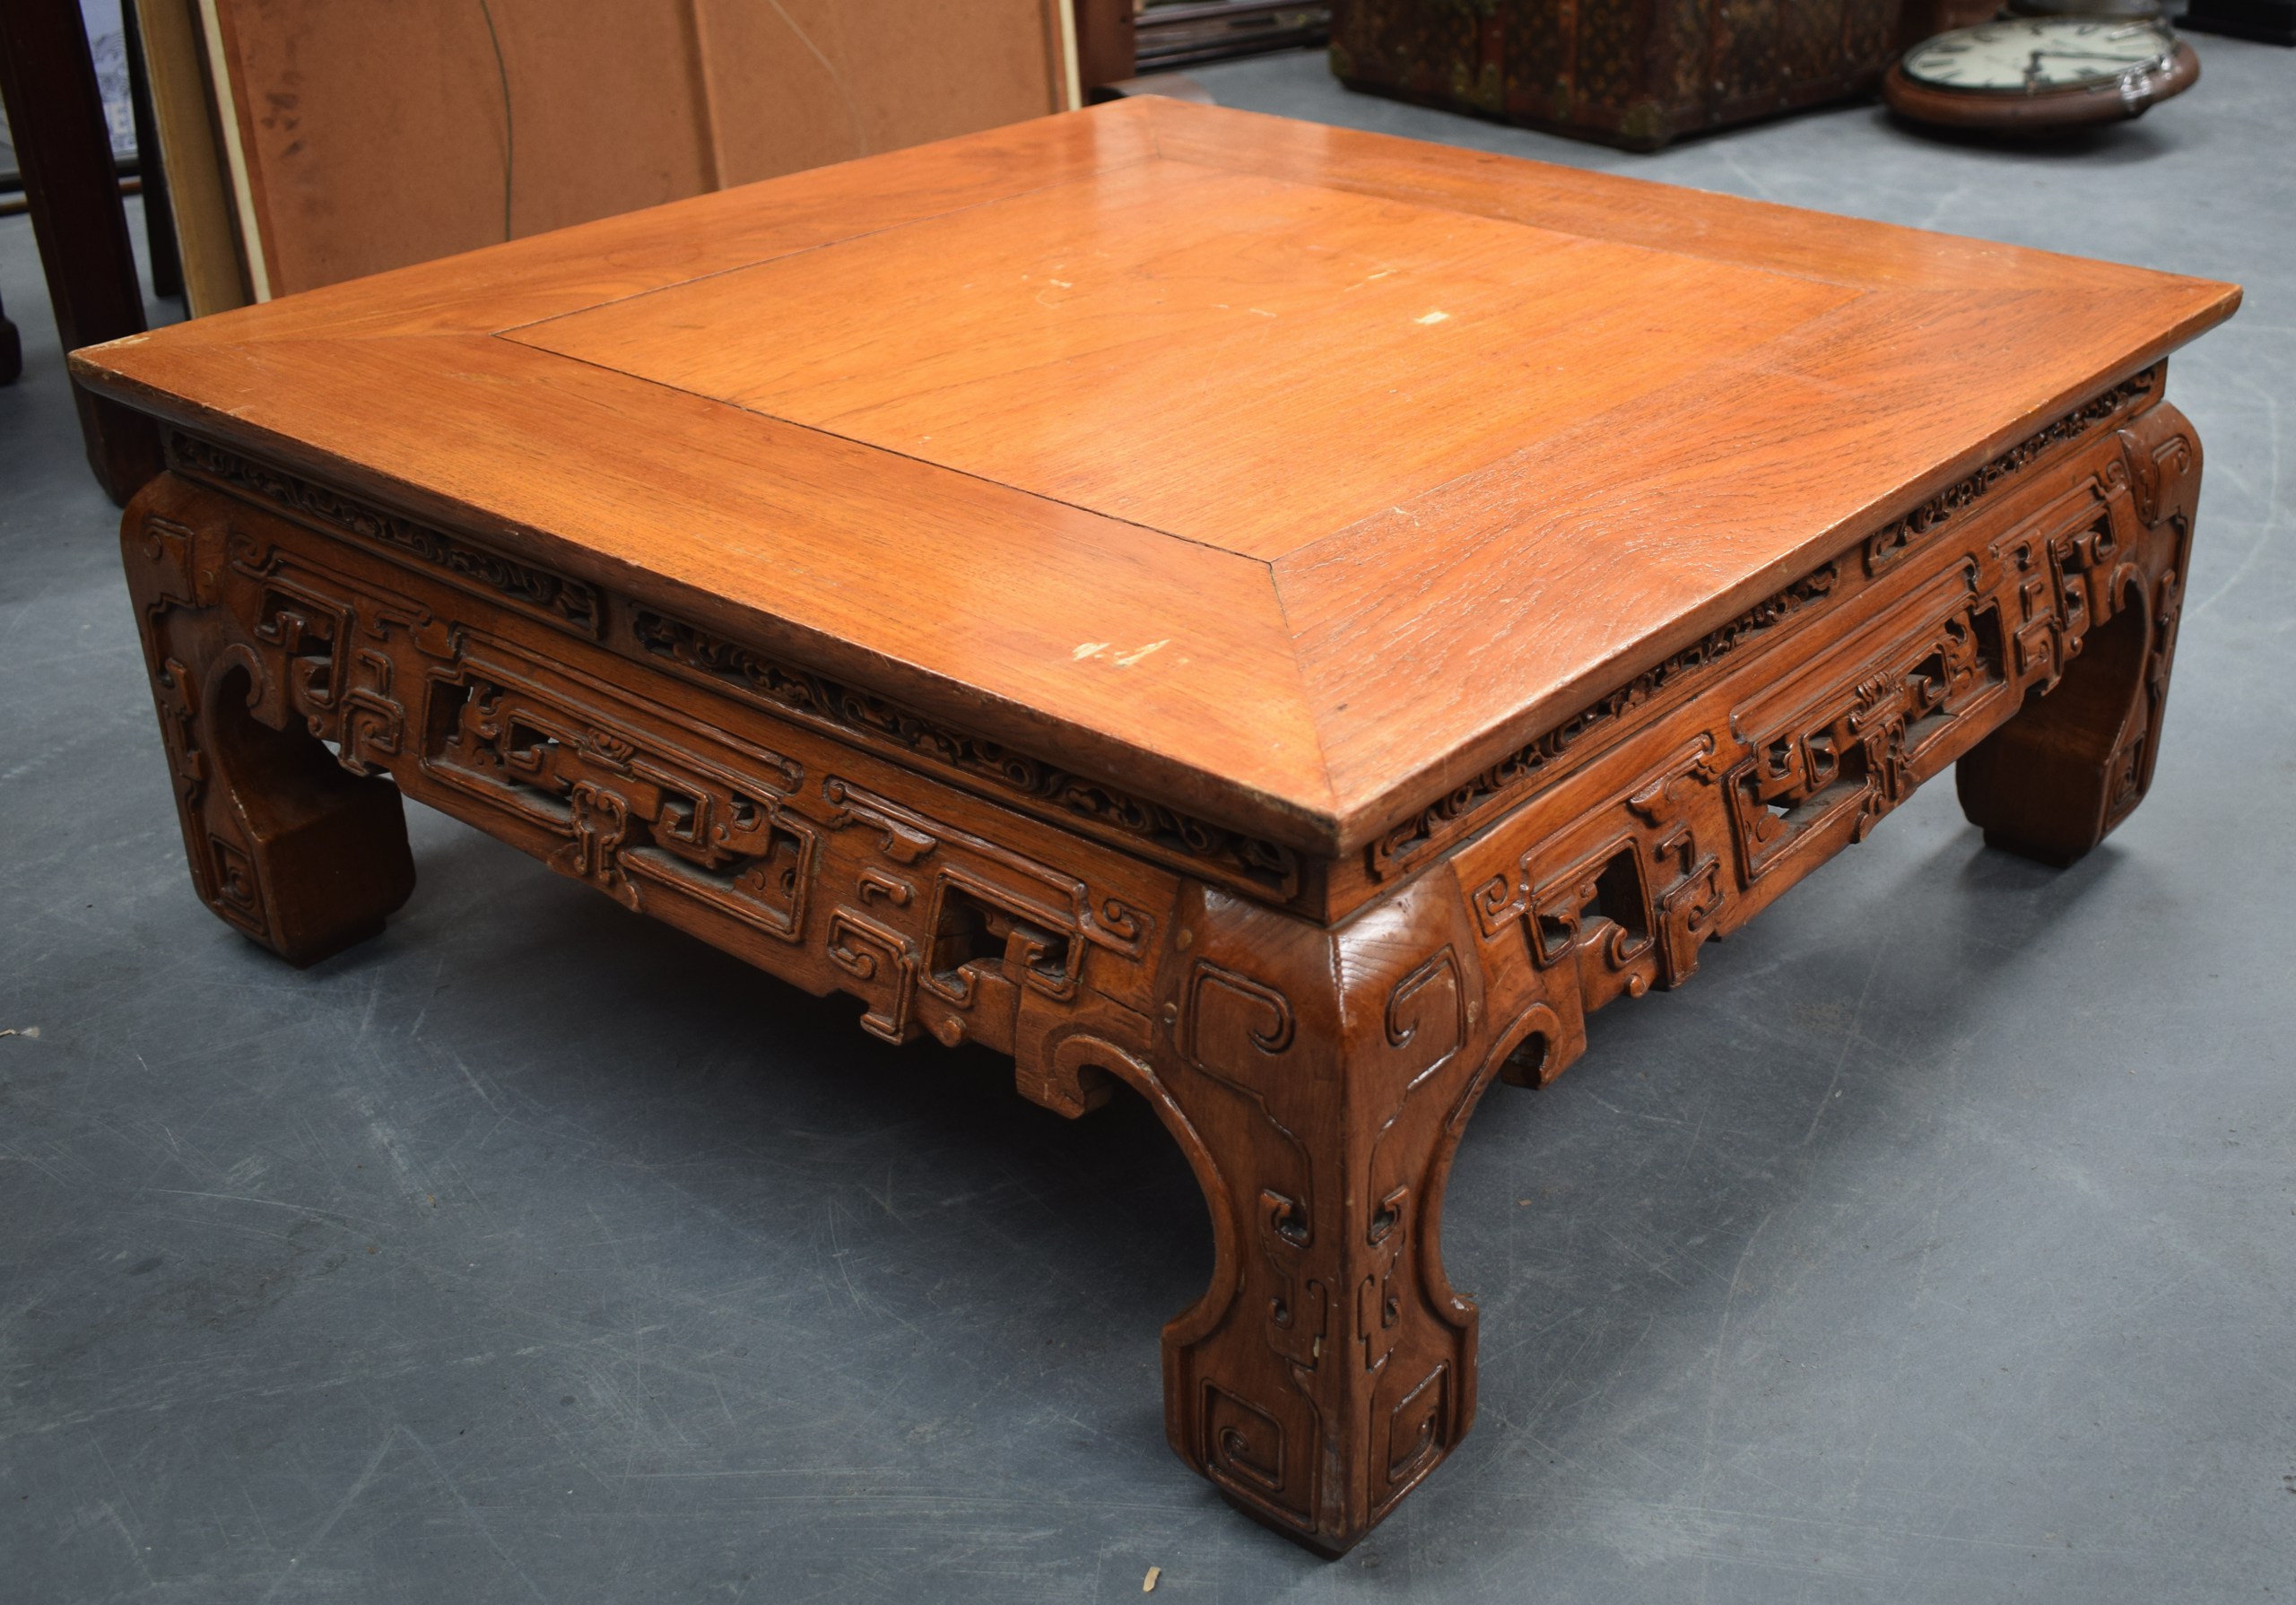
[(2029, 54)]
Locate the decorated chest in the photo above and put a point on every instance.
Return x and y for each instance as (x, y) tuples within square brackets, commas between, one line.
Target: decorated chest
[(1633, 73)]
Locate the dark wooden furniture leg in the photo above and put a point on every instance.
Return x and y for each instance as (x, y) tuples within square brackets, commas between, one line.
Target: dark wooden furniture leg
[(286, 844), (151, 164), (11, 350), (2073, 764), (56, 117), (1105, 47)]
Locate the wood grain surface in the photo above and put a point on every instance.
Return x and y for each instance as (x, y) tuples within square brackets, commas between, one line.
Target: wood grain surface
[(1133, 437)]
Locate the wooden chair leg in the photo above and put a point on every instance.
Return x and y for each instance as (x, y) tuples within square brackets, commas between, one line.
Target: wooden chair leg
[(55, 117), (285, 844), (151, 162), (11, 350)]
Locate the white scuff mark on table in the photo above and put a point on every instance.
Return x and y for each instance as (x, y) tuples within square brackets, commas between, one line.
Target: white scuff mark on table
[(1129, 658)]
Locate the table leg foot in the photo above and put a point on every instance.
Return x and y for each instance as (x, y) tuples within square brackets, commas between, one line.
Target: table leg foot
[(1319, 1081), (286, 844), (2077, 759)]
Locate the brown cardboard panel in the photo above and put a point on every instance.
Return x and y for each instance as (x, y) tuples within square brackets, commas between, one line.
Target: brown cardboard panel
[(207, 234), (797, 83), (380, 136), (377, 136)]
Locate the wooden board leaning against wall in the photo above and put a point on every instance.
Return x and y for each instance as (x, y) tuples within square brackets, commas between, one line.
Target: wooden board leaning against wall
[(311, 143)]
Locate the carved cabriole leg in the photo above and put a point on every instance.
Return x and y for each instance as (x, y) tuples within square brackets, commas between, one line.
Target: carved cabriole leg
[(2078, 757), (285, 845), (1319, 1080)]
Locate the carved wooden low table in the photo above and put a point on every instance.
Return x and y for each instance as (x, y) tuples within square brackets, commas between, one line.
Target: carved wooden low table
[(1285, 619)]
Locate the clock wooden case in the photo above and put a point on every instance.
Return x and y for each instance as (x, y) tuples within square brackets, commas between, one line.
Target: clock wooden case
[(2136, 64)]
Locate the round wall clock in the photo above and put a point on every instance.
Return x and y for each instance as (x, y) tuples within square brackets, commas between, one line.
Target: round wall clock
[(2035, 73)]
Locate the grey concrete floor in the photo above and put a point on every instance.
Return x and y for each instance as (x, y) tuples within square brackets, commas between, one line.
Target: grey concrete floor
[(1938, 1243)]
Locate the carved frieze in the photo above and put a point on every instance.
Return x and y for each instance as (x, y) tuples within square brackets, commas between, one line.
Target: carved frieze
[(1605, 893), (952, 930), (850, 712), (1491, 794), (846, 710), (1615, 905), (636, 810), (568, 601), (935, 926), (1859, 752), (1500, 787), (1887, 544)]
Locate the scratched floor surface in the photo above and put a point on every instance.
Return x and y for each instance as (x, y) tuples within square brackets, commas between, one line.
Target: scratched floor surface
[(1938, 1244)]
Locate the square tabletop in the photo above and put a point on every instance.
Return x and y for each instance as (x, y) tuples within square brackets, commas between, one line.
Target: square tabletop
[(1286, 473)]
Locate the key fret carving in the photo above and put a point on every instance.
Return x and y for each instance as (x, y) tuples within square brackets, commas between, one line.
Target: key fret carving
[(993, 924), (1863, 752), (884, 962), (1501, 786), (635, 814), (1139, 822), (1628, 912), (2067, 615), (946, 928)]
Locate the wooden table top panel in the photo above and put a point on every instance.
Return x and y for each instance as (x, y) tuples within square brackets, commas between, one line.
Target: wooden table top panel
[(1225, 327), (1360, 596)]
